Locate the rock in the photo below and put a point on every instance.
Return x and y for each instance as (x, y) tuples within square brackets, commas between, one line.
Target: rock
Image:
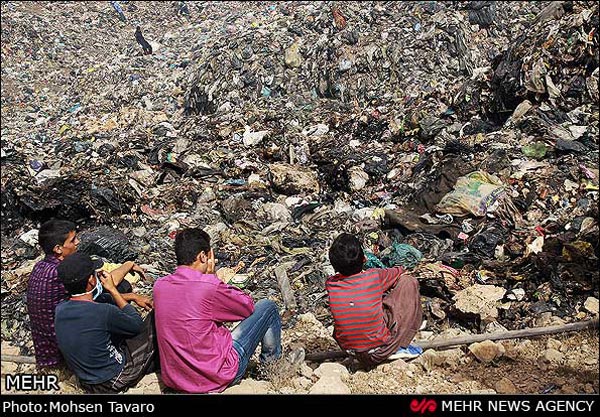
[(494, 326), (68, 387), (557, 321), (331, 369), (305, 370), (9, 349), (554, 344), (358, 178), (150, 384), (310, 333), (135, 391), (29, 368), (487, 351), (249, 387), (505, 386), (293, 179), (428, 359), (520, 110), (547, 319), (484, 391), (276, 212), (292, 56), (591, 305), (449, 359), (287, 390), (412, 367), (550, 358), (482, 300), (450, 333), (9, 368), (399, 364), (390, 366), (302, 383), (517, 294), (425, 335), (329, 385), (252, 138), (48, 177), (544, 319), (30, 237)]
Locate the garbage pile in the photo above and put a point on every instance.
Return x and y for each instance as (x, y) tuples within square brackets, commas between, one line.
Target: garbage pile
[(458, 139)]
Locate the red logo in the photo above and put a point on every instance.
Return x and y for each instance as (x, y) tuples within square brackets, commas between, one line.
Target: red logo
[(423, 406)]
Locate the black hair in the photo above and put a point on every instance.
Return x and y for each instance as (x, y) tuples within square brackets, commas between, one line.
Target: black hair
[(189, 243), (346, 254), (77, 287), (54, 232)]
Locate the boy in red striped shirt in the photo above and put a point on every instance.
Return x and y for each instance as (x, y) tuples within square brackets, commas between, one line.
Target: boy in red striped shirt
[(376, 312)]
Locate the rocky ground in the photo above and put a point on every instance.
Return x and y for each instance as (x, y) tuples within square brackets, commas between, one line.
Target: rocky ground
[(560, 364)]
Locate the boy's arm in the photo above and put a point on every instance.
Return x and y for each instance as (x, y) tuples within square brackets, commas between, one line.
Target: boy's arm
[(119, 273), (123, 319), (141, 300), (390, 276), (231, 303)]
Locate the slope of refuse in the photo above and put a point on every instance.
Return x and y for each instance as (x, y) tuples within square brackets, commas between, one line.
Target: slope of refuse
[(458, 139)]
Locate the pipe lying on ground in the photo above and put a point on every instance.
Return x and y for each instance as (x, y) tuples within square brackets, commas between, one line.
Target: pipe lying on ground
[(466, 340)]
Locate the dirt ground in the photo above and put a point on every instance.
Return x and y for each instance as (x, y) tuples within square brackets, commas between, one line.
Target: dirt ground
[(518, 371), (520, 365)]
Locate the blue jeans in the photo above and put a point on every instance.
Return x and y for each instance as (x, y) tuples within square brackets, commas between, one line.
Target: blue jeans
[(262, 326)]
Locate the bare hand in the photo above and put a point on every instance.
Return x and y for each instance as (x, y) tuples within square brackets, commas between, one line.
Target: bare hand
[(107, 281), (139, 270), (145, 302), (211, 263)]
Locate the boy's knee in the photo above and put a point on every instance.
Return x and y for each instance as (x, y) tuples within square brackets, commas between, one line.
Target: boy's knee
[(124, 287), (408, 281), (265, 304)]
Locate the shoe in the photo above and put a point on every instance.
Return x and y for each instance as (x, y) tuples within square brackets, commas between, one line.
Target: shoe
[(409, 352)]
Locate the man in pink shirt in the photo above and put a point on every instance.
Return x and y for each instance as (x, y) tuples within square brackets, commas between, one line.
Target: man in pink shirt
[(198, 354)]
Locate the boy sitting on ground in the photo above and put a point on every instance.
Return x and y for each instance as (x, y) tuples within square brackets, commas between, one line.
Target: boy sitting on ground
[(58, 239), (376, 312), (198, 353), (108, 346)]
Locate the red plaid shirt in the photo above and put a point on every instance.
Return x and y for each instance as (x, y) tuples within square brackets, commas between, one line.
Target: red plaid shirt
[(44, 292)]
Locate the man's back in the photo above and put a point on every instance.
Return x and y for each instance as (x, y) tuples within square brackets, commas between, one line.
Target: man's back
[(356, 305), (196, 351), (89, 333), (44, 292)]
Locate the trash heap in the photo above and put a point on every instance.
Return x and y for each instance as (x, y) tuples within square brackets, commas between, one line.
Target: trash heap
[(458, 139)]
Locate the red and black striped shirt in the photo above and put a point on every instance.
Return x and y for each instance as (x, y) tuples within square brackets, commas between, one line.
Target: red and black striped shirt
[(356, 305)]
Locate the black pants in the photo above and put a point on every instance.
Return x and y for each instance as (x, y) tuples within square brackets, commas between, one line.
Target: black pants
[(124, 287), (141, 352)]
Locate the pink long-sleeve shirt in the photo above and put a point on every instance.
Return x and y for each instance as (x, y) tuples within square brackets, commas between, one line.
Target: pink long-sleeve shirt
[(195, 348)]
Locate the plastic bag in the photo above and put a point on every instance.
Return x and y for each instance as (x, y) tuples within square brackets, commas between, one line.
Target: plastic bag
[(474, 193)]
